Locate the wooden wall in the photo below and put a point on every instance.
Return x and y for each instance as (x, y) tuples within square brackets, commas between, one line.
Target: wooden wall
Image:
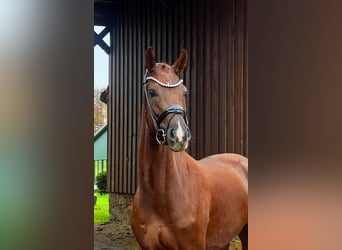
[(214, 32)]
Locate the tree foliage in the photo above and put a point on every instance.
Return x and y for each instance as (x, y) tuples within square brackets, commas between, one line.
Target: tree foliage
[(101, 182), (100, 111)]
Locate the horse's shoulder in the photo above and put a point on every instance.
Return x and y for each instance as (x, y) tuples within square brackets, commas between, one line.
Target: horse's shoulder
[(226, 159), (226, 164), (239, 160), (231, 157)]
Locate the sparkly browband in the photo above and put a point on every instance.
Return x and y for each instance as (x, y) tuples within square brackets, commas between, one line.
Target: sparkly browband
[(161, 83)]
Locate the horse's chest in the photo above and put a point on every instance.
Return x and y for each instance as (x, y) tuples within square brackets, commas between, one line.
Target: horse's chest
[(166, 225), (156, 235), (179, 234)]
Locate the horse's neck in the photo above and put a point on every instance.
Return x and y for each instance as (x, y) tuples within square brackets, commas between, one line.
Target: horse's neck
[(159, 167)]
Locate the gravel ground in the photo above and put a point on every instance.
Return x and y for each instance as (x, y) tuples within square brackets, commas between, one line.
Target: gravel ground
[(114, 236)]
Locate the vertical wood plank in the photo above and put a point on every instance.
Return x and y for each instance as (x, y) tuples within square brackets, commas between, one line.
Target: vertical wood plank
[(207, 88), (245, 77), (223, 65), (214, 82), (230, 76)]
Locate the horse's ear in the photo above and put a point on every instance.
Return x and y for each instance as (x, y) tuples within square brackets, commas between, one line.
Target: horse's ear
[(180, 64), (150, 59)]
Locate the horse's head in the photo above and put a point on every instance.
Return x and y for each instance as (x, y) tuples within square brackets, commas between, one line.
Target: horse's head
[(165, 101)]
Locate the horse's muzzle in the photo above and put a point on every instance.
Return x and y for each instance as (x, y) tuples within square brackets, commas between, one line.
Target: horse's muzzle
[(178, 136)]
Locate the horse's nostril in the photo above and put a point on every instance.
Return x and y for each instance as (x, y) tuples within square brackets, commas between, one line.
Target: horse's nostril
[(172, 133), (189, 134)]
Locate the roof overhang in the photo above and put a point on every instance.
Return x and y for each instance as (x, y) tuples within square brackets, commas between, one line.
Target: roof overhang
[(103, 11)]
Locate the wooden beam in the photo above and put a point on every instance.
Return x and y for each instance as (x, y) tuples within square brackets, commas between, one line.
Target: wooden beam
[(98, 41)]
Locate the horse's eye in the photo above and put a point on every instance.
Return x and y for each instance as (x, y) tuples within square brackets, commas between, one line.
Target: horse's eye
[(185, 93), (152, 92)]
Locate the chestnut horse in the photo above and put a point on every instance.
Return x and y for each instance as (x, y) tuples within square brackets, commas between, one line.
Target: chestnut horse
[(182, 203)]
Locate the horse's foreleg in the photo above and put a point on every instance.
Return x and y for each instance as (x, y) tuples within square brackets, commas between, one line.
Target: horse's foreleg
[(243, 235)]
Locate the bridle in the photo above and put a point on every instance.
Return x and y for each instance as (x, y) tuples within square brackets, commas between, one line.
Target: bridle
[(172, 109)]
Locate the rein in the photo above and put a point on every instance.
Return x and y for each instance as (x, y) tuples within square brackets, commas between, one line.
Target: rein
[(172, 109)]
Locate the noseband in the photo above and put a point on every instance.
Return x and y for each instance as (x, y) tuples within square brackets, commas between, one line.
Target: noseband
[(172, 109)]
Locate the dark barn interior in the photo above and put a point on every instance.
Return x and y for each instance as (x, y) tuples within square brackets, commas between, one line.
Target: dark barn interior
[(215, 35)]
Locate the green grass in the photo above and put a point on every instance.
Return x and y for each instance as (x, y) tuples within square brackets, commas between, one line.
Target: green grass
[(101, 209)]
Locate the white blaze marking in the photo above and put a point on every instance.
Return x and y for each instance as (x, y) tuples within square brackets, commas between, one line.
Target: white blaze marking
[(179, 132)]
